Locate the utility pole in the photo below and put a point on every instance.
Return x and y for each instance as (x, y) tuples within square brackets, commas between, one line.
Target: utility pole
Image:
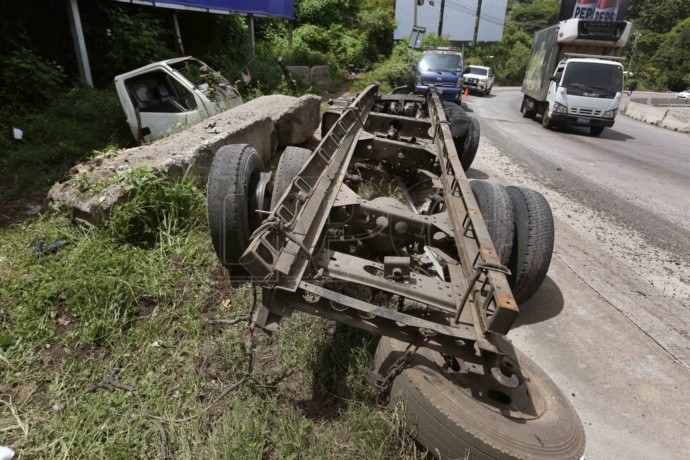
[(252, 44), (440, 18), (634, 51), (476, 23), (79, 43), (414, 13), (178, 35)]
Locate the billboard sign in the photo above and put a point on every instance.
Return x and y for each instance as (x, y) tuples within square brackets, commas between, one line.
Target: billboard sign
[(458, 21), (273, 8), (593, 10)]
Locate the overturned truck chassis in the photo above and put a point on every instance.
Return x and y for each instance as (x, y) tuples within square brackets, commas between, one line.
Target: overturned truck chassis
[(299, 253)]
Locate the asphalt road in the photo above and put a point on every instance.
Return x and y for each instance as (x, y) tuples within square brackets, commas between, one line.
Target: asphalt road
[(611, 324)]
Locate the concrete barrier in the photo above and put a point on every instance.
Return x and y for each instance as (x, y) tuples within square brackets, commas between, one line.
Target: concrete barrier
[(662, 101), (320, 75), (653, 115), (266, 122), (302, 72), (676, 118)]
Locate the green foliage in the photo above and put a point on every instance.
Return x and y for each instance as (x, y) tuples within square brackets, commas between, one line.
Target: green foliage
[(434, 41), (509, 57), (67, 130), (660, 61), (658, 15), (91, 284), (535, 15), (154, 209), (325, 12), (135, 40), (98, 308), (27, 79), (347, 47), (672, 56), (376, 18), (352, 32), (312, 37), (220, 41), (397, 70)]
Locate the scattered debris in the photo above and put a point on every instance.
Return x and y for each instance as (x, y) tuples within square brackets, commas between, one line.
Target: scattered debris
[(6, 453), (58, 406), (43, 247)]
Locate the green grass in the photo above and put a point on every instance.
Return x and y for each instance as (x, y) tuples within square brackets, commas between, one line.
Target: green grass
[(68, 319), (56, 137)]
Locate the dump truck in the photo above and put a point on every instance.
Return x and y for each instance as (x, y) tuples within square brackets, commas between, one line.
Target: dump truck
[(379, 228), (574, 76), (166, 96)]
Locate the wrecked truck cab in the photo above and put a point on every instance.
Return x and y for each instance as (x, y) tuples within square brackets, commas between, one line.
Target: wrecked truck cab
[(165, 96)]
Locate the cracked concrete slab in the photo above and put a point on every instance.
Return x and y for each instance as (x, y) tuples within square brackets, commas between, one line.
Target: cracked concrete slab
[(265, 123)]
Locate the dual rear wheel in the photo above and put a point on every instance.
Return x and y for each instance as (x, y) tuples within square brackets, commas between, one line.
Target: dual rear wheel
[(520, 223), (458, 413), (452, 412), (238, 192)]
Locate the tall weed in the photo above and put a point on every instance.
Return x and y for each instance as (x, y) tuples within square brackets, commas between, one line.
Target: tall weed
[(155, 210)]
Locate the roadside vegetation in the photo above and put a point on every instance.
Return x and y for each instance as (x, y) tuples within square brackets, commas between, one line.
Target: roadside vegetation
[(109, 348), (108, 344)]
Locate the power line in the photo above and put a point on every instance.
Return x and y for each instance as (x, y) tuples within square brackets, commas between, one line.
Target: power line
[(468, 10)]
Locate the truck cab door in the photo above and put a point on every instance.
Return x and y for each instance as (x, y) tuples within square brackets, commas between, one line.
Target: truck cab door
[(161, 103)]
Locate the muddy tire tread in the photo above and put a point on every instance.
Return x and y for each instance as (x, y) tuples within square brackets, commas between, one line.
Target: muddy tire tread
[(437, 428), (496, 207), (533, 243), (470, 144), (291, 162), (228, 211)]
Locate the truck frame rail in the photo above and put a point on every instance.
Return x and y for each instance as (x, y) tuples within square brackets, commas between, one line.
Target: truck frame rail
[(297, 253)]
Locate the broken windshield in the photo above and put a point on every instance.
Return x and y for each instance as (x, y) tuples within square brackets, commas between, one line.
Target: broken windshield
[(199, 73), (593, 79)]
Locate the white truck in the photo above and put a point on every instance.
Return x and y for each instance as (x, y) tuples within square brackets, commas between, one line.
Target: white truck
[(166, 96), (478, 78), (574, 76)]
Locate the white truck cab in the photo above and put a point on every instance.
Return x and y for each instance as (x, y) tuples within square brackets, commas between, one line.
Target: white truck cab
[(585, 92), (166, 96), (574, 75)]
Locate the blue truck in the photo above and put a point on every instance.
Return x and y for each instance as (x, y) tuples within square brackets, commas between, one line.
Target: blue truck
[(441, 67)]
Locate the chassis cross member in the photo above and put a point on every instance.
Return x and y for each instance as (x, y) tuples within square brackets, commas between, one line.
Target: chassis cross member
[(422, 271)]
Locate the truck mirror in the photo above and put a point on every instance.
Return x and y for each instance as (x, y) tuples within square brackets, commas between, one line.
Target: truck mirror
[(632, 86), (555, 78)]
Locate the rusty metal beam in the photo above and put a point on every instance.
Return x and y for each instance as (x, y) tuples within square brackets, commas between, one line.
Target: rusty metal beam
[(471, 235), (284, 248), (406, 126)]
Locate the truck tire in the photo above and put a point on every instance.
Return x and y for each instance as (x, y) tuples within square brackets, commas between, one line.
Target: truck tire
[(526, 113), (468, 144), (291, 162), (233, 176), (546, 119), (454, 416), (497, 210), (533, 243), (596, 130)]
